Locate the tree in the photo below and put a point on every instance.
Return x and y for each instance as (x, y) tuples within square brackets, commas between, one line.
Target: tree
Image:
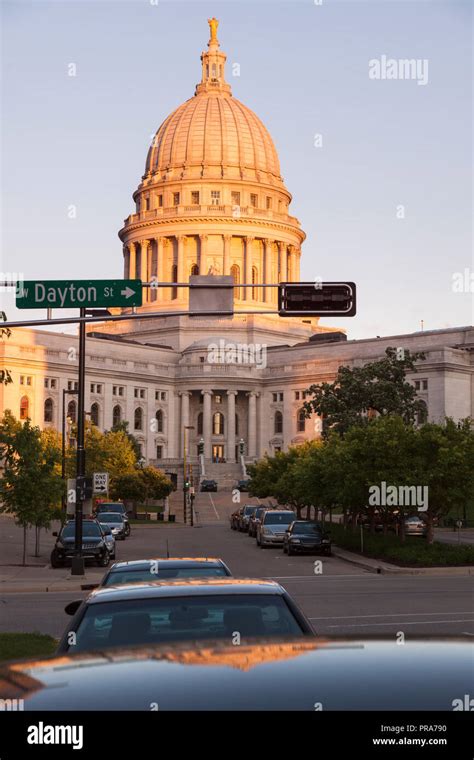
[(5, 332), (157, 485), (110, 452), (31, 485), (123, 427), (377, 387)]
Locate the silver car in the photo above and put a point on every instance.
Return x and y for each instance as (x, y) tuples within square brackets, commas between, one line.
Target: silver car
[(109, 539), (415, 526), (272, 527)]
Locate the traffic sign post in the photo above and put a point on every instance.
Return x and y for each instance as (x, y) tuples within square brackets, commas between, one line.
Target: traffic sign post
[(78, 294)]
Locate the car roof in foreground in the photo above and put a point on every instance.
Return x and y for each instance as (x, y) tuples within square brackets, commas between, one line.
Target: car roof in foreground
[(184, 587), (266, 674), (171, 562)]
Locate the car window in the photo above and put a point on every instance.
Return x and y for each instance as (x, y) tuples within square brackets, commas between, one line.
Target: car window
[(88, 529), (278, 518), (146, 621), (145, 575), (113, 517)]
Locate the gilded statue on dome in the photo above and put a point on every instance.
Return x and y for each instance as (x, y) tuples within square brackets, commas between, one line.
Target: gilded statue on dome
[(213, 24)]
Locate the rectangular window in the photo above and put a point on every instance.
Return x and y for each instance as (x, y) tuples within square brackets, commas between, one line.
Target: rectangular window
[(269, 202), (135, 392), (114, 390), (163, 395), (254, 200), (46, 382), (417, 385), (53, 384), (195, 197), (297, 395), (98, 389), (92, 387), (218, 399), (275, 396), (147, 204), (281, 396), (160, 201), (121, 390), (28, 380), (159, 452), (22, 379), (424, 385), (235, 198), (142, 393), (175, 199), (215, 197)]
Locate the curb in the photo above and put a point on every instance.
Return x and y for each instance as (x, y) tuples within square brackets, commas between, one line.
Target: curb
[(20, 589), (387, 569)]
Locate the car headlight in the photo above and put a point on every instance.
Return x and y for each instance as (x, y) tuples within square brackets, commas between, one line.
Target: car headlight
[(295, 540), (325, 541)]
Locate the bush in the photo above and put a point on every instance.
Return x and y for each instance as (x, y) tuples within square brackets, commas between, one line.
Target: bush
[(415, 552)]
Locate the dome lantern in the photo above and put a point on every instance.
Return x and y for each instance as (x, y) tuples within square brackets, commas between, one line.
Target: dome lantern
[(213, 65)]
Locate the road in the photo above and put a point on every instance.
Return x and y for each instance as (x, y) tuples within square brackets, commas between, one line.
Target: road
[(341, 600)]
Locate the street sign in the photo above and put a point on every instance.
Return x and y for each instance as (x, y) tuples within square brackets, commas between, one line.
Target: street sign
[(317, 299), (78, 294), (101, 482)]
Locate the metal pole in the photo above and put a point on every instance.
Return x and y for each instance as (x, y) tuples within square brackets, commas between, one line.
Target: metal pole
[(63, 460), (78, 562), (184, 474)]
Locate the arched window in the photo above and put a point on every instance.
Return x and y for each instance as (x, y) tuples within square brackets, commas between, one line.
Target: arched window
[(194, 269), (71, 411), (48, 410), (199, 423), (254, 281), (159, 421), (236, 424), (279, 422), (422, 414), (95, 414), (301, 421), (174, 278), (24, 408), (218, 424), (138, 418), (116, 416), (235, 272)]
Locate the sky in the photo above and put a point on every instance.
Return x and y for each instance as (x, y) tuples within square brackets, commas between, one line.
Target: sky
[(380, 169)]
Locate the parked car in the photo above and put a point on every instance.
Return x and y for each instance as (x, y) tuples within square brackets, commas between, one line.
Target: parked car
[(235, 519), (208, 485), (245, 515), (115, 506), (272, 676), (146, 570), (272, 527), (153, 613), (255, 520), (305, 536), (415, 526), (243, 486), (115, 522), (94, 545), (109, 540)]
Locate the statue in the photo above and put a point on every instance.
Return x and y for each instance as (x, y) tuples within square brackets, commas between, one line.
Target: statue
[(213, 24)]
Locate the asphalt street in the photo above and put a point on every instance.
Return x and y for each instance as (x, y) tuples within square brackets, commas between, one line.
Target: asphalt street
[(342, 599)]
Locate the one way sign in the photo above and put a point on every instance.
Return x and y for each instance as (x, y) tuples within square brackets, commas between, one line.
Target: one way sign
[(101, 482)]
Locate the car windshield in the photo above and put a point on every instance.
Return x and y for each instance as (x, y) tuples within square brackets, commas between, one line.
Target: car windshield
[(278, 518), (88, 529), (306, 528), (119, 577), (111, 517), (147, 621), (250, 510)]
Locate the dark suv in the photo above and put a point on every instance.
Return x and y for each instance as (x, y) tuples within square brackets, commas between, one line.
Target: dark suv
[(94, 546)]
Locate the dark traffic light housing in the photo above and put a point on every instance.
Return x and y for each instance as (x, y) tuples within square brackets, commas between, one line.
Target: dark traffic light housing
[(318, 299)]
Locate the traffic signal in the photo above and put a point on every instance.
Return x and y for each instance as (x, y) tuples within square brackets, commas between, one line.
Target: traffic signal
[(317, 299), (201, 448)]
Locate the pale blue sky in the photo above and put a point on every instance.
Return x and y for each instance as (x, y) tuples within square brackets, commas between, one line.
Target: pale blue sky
[(304, 70)]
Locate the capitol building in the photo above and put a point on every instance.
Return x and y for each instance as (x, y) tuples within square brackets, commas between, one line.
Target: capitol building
[(212, 200)]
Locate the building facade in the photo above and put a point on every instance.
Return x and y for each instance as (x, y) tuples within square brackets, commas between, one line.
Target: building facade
[(212, 200)]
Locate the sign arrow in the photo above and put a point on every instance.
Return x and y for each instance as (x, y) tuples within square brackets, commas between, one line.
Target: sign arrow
[(127, 292)]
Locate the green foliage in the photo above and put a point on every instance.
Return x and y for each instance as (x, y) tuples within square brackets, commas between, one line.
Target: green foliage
[(110, 452), (379, 386), (157, 485), (5, 332), (13, 646), (123, 427), (141, 485)]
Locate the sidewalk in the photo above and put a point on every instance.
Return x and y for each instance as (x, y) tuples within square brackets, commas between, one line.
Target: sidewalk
[(41, 578), (385, 568)]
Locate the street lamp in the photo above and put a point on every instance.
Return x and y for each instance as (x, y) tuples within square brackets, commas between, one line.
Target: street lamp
[(63, 459), (185, 483)]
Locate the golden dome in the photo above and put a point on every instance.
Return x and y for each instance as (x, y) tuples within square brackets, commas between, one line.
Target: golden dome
[(213, 135)]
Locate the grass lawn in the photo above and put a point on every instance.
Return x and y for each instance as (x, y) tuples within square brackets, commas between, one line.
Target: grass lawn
[(16, 645)]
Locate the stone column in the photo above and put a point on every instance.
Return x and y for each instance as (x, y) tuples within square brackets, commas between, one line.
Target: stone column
[(143, 267), (184, 416), (292, 272), (202, 254), (252, 424), (160, 251), (248, 267), (227, 240), (126, 263), (283, 261), (267, 269), (181, 264), (132, 260), (207, 424), (230, 454)]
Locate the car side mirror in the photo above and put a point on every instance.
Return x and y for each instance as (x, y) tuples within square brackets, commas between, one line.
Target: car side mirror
[(72, 607), (55, 533)]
